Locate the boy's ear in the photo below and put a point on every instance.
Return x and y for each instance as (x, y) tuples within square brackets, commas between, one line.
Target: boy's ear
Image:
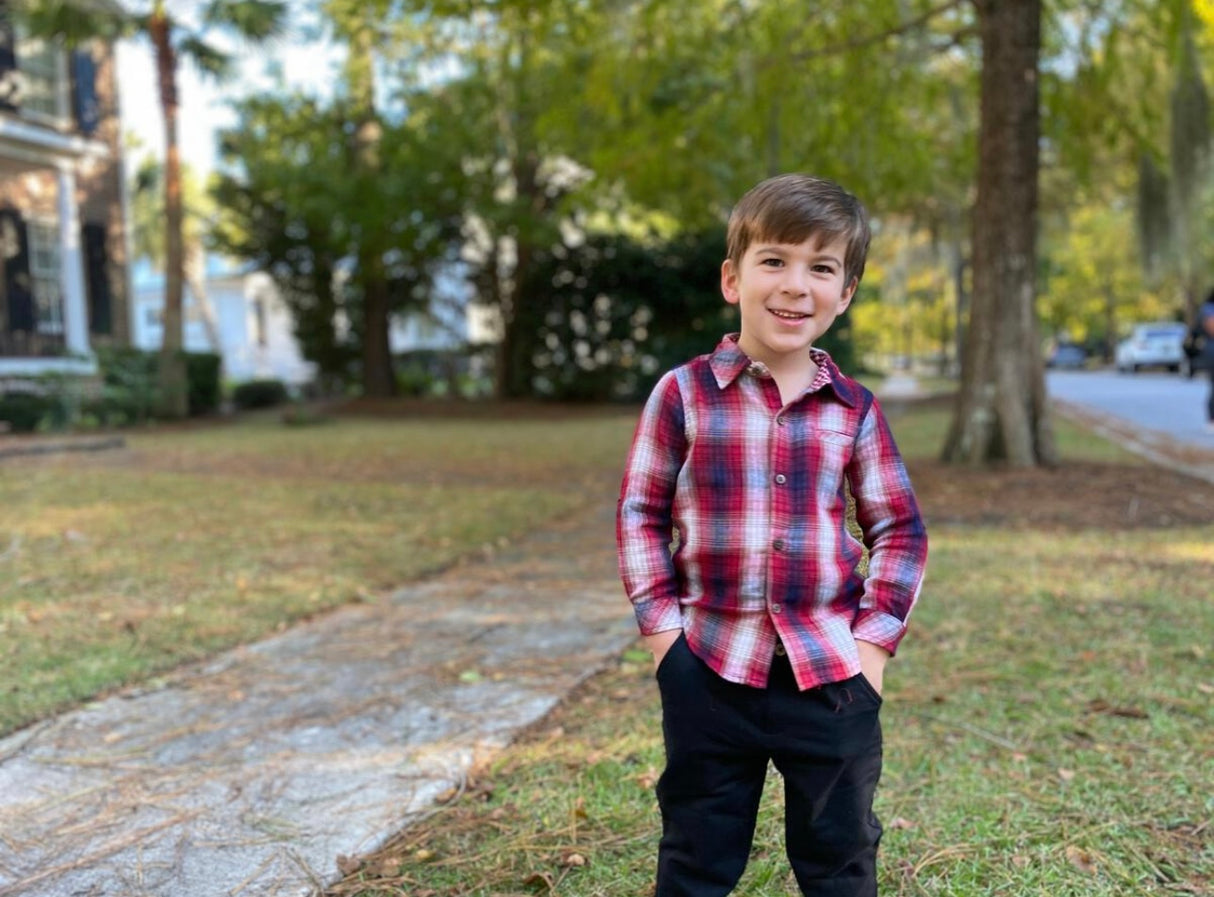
[(848, 295), (729, 282)]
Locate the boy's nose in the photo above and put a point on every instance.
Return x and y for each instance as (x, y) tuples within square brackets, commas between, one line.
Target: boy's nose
[(796, 283)]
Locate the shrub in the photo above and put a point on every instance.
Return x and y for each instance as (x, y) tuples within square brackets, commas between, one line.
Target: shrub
[(202, 375), (129, 386), (25, 411), (259, 394)]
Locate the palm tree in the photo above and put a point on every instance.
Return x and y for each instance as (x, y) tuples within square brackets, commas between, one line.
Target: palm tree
[(172, 40)]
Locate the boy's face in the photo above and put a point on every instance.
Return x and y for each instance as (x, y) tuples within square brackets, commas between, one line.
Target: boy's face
[(788, 295)]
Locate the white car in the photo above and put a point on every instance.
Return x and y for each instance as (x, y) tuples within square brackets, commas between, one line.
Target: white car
[(1152, 345)]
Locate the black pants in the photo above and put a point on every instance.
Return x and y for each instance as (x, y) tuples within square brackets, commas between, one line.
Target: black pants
[(826, 744), (1209, 363)]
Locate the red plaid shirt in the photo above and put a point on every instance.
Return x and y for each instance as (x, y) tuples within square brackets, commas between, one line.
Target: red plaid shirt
[(757, 495)]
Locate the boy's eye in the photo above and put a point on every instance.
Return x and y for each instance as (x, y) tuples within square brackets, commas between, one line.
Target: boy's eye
[(772, 262), (824, 269)]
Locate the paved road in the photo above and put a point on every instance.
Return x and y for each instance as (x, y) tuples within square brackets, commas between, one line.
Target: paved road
[(1163, 402)]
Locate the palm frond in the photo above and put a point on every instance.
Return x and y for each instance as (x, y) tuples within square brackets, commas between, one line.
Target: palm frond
[(73, 21), (254, 20), (209, 59)]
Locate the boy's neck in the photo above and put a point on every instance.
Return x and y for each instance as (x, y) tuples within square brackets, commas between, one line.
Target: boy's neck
[(793, 374), (793, 381)]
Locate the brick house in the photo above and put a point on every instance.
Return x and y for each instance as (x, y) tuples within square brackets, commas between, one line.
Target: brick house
[(64, 285)]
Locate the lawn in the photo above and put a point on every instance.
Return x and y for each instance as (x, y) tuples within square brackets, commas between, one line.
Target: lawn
[(1049, 723), (118, 566)]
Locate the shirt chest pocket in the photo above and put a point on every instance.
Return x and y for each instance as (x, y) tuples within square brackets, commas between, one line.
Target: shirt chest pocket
[(832, 449), (834, 437)]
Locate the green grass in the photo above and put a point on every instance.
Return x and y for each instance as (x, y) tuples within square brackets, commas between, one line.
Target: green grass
[(1049, 731), (120, 566)]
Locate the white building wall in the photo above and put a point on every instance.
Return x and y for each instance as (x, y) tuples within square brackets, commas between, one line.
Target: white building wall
[(254, 344)]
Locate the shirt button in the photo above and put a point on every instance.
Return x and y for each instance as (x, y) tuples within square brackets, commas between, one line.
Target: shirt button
[(781, 420), (781, 479), (778, 545), (777, 609)]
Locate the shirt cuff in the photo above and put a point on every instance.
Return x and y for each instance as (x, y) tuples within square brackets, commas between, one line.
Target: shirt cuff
[(881, 629), (658, 615)]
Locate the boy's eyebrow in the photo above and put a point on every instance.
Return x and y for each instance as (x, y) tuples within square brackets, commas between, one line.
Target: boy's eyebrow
[(782, 248)]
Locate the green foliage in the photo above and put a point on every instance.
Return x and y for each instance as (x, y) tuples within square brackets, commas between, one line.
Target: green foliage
[(296, 205), (130, 389), (204, 387), (259, 394), (130, 385), (24, 412)]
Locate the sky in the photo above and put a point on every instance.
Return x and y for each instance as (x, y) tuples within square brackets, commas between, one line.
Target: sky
[(205, 106)]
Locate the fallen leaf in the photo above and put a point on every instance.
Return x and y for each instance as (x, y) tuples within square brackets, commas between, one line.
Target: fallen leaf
[(540, 880), (1066, 774), (575, 860), (348, 865), (1081, 859), (899, 823)]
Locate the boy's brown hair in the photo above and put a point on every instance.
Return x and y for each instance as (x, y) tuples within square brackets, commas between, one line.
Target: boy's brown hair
[(791, 208)]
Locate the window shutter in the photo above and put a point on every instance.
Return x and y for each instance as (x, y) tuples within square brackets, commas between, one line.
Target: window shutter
[(10, 81), (14, 247), (97, 279), (84, 91)]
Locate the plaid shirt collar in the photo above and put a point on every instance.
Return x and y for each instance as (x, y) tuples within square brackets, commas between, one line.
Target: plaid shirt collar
[(728, 362)]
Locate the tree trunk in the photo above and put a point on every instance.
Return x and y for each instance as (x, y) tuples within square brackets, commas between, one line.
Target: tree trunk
[(174, 398), (1001, 412), (379, 378)]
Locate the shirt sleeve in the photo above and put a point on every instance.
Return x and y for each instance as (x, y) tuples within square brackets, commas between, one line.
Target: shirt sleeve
[(644, 514), (893, 529)]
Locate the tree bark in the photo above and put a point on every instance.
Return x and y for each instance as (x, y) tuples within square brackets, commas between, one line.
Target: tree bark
[(1001, 411), (174, 397), (379, 377)]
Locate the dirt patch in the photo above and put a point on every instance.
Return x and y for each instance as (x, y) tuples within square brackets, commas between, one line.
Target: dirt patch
[(1075, 495)]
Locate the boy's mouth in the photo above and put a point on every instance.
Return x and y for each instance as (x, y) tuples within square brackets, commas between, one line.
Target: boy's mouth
[(788, 315)]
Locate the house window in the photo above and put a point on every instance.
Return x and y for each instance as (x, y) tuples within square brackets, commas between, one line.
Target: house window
[(43, 82), (46, 267)]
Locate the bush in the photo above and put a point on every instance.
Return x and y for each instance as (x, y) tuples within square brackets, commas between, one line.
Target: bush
[(259, 394), (129, 386), (202, 375), (25, 411)]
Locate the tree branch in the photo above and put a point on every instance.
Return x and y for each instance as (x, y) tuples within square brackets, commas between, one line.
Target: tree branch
[(906, 27)]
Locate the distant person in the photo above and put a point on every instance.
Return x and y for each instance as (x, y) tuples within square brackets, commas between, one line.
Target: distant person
[(769, 641), (1205, 327)]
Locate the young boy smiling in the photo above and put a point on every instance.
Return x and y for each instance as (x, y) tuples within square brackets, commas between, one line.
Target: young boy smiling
[(769, 638)]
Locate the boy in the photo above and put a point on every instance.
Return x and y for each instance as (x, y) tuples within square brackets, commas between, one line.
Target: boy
[(768, 643), (1205, 326)]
